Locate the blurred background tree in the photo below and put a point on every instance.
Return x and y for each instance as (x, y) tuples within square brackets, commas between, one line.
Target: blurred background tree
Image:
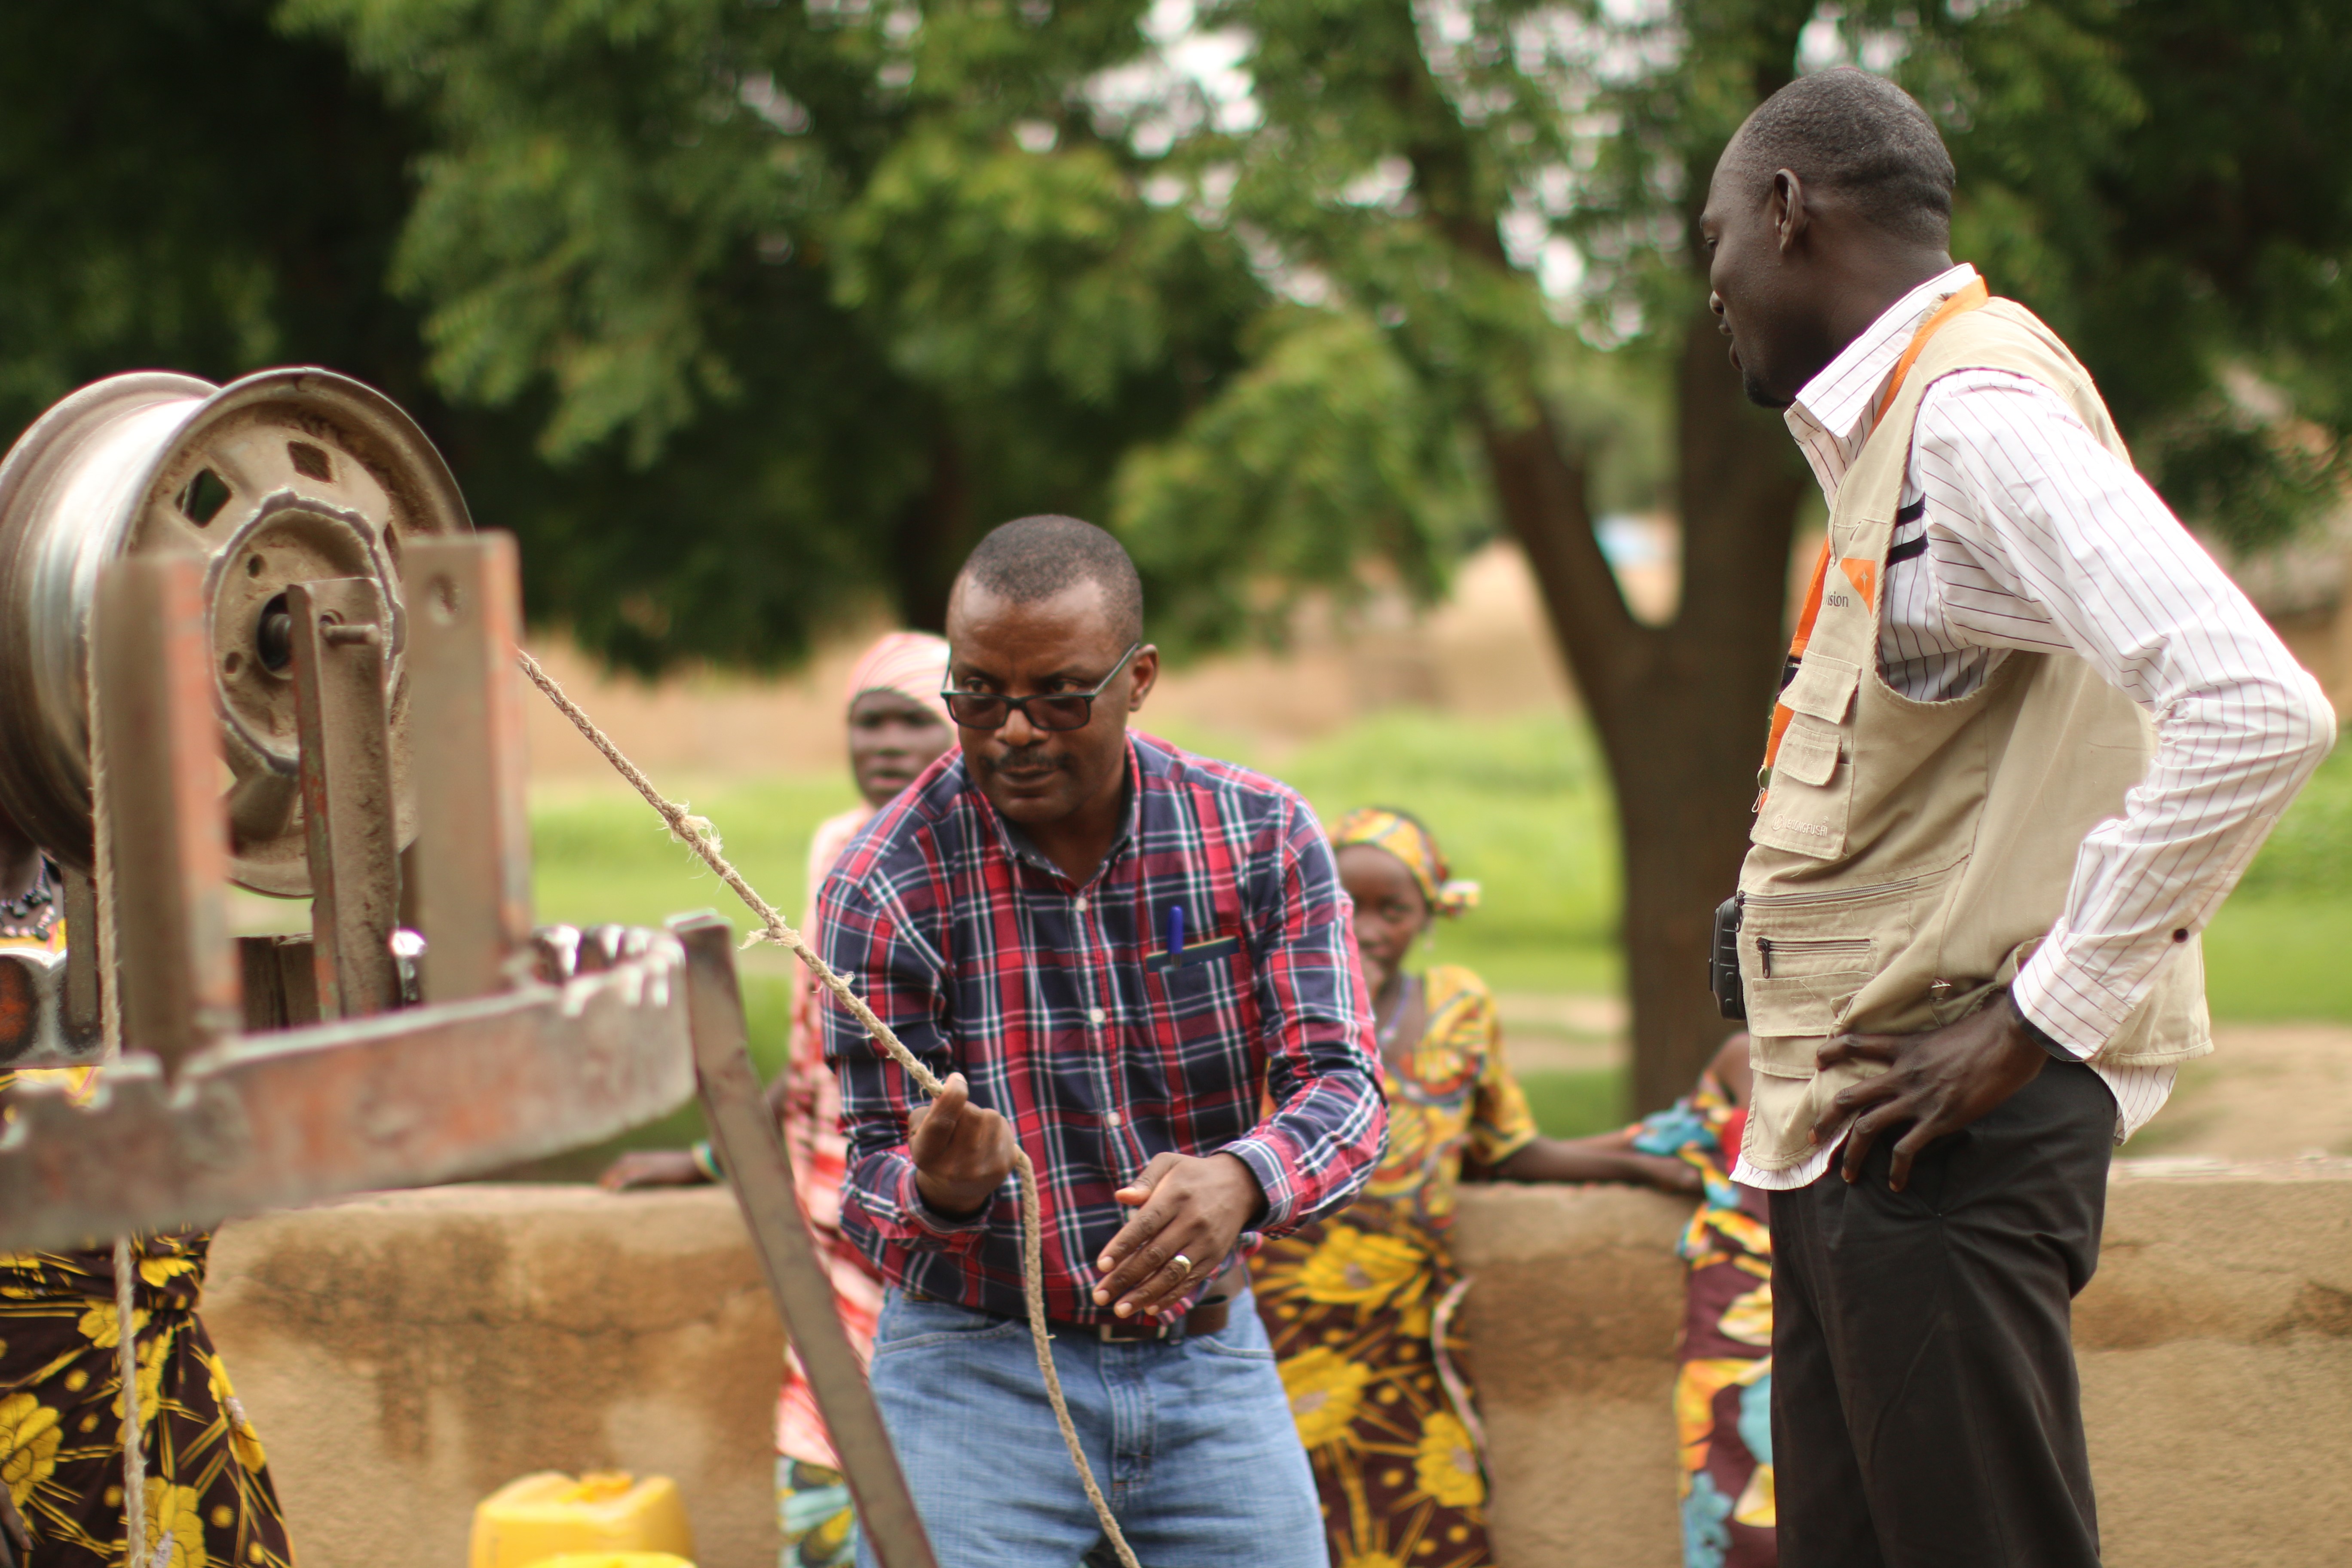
[(747, 316), (1471, 180)]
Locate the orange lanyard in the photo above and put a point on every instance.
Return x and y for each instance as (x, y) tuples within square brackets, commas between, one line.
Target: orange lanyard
[(1967, 299)]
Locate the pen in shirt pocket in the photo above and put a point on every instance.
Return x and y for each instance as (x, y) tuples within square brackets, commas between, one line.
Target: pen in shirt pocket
[(1176, 954)]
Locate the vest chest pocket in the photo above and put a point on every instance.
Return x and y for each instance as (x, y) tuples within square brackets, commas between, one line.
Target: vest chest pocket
[(1823, 687), (1811, 794)]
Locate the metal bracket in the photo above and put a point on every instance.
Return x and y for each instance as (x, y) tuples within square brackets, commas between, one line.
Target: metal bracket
[(745, 1132), (400, 1100), (340, 632), (473, 827), (154, 658)]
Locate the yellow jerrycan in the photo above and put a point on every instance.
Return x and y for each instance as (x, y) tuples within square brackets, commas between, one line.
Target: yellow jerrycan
[(605, 1517)]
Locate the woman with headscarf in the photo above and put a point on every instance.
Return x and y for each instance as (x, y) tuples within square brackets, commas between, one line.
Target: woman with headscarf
[(208, 1496), (1723, 1361), (897, 728), (1361, 1306)]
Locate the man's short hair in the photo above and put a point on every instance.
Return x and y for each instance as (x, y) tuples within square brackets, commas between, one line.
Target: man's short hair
[(1845, 129), (1033, 558)]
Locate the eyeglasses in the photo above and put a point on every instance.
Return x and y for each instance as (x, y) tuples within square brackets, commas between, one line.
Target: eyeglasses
[(1047, 711)]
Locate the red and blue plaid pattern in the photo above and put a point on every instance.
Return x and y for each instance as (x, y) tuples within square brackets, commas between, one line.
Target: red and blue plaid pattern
[(1069, 1010)]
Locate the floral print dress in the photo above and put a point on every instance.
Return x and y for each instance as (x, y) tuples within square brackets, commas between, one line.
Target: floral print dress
[(1361, 1306), (1723, 1383), (209, 1501)]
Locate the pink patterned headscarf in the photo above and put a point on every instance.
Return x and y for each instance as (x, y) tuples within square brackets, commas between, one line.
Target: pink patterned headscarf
[(913, 664)]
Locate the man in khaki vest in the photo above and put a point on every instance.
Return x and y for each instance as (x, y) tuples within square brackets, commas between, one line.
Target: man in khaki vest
[(2028, 738)]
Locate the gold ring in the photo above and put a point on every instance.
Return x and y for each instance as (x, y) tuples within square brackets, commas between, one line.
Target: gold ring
[(1182, 1262)]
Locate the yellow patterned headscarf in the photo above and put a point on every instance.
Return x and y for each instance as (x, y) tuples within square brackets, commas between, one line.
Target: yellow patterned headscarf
[(1410, 842)]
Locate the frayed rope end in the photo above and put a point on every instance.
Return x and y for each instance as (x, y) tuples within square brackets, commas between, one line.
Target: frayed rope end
[(700, 826)]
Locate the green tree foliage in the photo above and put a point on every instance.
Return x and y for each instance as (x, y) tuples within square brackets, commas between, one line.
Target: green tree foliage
[(749, 315), (2168, 185), (820, 292), (186, 188)]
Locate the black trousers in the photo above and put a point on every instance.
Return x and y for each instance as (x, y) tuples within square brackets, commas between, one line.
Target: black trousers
[(1924, 1405)]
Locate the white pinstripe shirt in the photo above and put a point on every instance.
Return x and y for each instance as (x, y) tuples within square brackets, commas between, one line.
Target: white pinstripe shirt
[(2019, 530)]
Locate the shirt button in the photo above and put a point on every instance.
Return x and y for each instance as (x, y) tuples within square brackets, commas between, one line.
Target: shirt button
[(1082, 903), (1095, 1015), (1114, 1119)]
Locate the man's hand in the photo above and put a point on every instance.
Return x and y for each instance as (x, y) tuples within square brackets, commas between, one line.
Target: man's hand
[(962, 1151), (1939, 1082), (1183, 1207)]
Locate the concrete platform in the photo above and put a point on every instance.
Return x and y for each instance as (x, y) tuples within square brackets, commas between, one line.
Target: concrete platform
[(404, 1354)]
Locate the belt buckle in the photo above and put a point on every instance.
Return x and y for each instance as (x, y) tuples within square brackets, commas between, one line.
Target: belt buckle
[(1111, 1331)]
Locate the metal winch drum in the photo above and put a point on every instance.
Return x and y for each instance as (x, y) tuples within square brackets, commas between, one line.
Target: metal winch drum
[(284, 476), (267, 601)]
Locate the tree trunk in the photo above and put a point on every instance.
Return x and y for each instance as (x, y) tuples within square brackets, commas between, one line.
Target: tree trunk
[(1681, 709), (933, 536)]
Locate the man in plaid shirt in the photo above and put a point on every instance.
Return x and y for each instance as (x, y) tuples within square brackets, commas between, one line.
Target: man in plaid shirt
[(1138, 963)]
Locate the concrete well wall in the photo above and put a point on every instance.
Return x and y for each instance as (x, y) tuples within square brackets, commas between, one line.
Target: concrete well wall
[(404, 1354)]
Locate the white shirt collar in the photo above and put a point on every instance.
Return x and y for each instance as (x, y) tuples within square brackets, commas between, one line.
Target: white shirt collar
[(1829, 419)]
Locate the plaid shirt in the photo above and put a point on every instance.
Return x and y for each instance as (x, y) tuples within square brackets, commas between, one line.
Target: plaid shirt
[(1060, 1006)]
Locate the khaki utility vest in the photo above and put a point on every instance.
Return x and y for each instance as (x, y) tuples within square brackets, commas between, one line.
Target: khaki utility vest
[(1909, 857)]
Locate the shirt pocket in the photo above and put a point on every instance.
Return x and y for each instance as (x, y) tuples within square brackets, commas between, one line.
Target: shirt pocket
[(1208, 983)]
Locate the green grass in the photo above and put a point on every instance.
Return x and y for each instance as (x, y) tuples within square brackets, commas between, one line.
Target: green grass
[(1522, 806), (601, 855), (2280, 958), (2310, 855), (2281, 947), (1577, 1104)]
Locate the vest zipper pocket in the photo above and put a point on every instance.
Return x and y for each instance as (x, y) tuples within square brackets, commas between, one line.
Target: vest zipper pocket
[(1833, 895), (1799, 949)]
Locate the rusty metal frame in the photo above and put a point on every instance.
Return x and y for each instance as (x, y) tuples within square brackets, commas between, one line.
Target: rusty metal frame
[(473, 825), (527, 1043), (403, 1098), (744, 1129), (340, 630), (153, 663)]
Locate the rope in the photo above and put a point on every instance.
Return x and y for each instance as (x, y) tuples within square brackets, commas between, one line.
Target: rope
[(109, 1012), (697, 834)]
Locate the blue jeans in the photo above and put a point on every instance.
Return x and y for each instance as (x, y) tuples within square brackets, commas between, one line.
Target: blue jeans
[(1193, 1442)]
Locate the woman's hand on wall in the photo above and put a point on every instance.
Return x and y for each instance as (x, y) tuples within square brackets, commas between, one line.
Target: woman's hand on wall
[(652, 1168), (1603, 1159)]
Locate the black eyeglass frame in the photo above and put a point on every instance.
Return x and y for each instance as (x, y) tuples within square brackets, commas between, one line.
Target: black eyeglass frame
[(1011, 704)]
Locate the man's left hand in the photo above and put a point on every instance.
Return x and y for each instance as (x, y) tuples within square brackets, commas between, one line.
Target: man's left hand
[(1187, 1208), (1939, 1082)]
